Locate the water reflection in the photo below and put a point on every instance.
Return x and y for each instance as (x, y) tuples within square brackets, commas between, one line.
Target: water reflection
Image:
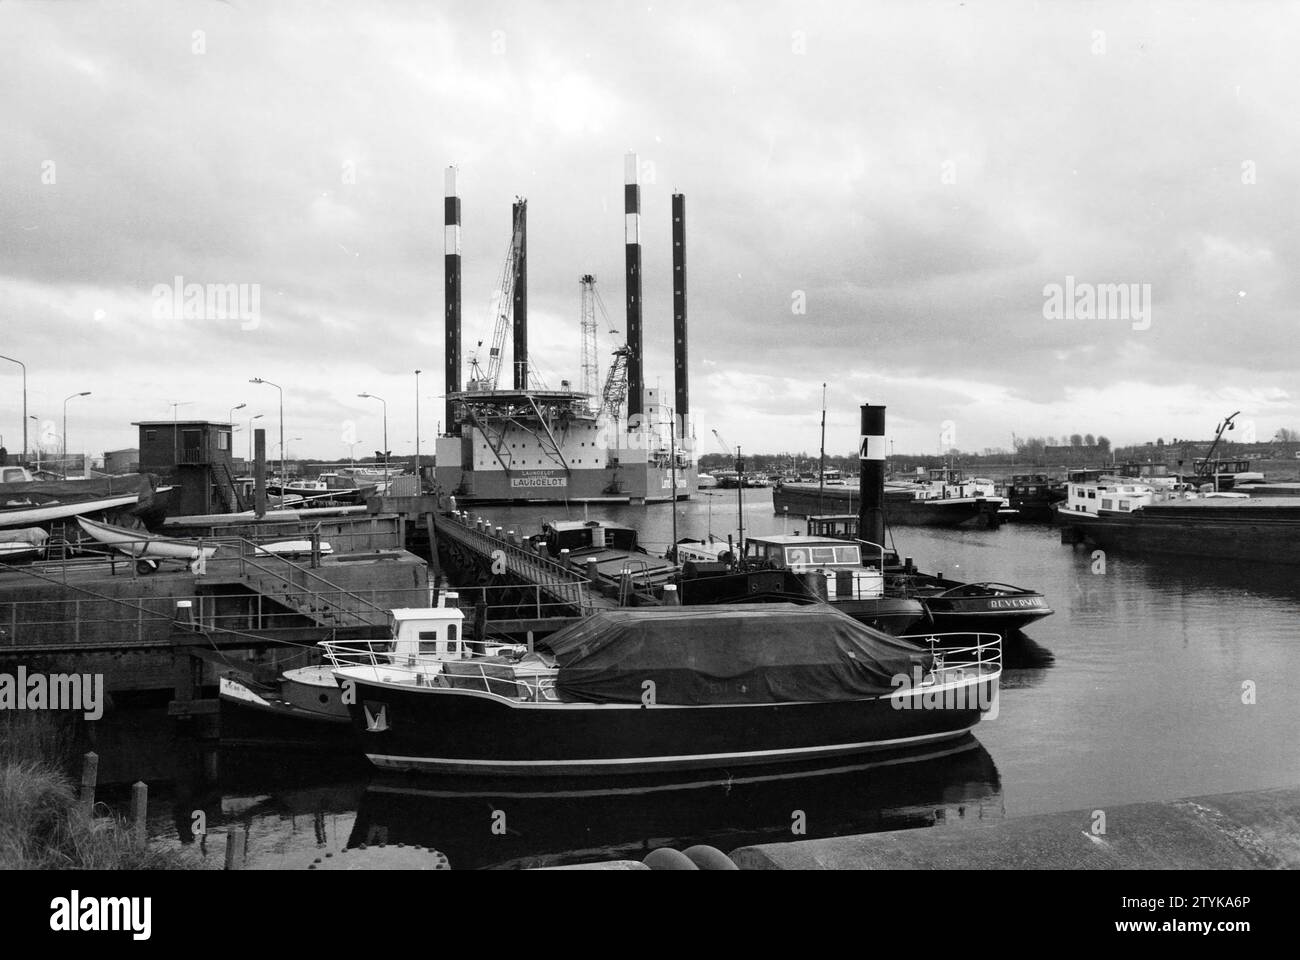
[(506, 824)]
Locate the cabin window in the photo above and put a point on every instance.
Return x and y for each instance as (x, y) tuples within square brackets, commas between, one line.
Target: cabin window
[(428, 641), (1031, 491), (823, 554), (797, 556), (1092, 494), (1123, 504), (451, 636), (1107, 504), (846, 555)]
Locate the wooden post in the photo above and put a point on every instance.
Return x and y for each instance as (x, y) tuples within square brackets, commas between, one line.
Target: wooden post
[(89, 777), (236, 847), (433, 544), (139, 810)]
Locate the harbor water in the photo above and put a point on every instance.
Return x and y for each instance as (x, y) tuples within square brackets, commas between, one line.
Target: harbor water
[(1154, 679)]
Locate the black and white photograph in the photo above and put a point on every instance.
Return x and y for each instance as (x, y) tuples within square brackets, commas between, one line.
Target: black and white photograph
[(568, 436)]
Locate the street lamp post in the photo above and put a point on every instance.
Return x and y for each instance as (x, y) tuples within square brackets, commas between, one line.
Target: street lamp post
[(257, 416), (283, 474), (24, 366), (372, 396), (64, 445)]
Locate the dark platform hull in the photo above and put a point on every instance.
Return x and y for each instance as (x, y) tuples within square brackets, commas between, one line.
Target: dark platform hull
[(1228, 533), (467, 732), (900, 508)]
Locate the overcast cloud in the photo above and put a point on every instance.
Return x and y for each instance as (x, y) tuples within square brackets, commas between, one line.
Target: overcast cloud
[(918, 172)]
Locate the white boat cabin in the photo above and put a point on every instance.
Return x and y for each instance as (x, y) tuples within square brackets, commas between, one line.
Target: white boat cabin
[(428, 633), (948, 483), (1088, 493), (840, 562)]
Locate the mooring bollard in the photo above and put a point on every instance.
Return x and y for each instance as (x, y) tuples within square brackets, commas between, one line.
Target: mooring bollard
[(139, 810), (236, 848), (564, 558), (89, 777), (671, 597), (593, 570)]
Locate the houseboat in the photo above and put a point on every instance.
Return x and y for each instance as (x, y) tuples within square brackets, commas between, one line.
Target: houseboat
[(660, 689), (837, 572), (1175, 518), (949, 605), (1033, 497)]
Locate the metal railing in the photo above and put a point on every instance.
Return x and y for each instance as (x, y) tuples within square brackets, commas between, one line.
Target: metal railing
[(374, 660), (144, 620), (954, 653), (553, 577)]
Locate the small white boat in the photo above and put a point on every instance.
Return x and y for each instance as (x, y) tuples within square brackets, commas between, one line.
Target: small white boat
[(27, 516), (292, 548), (22, 545), (307, 693), (144, 546)]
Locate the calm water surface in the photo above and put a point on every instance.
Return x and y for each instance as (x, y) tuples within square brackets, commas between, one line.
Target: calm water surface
[(1133, 690)]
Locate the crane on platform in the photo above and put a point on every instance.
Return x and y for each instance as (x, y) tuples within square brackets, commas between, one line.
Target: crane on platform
[(503, 297), (615, 390)]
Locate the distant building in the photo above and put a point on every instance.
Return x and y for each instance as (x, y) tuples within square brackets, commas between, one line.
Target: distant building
[(122, 461)]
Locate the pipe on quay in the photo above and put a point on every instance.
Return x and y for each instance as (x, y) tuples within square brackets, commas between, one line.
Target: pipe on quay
[(1253, 830)]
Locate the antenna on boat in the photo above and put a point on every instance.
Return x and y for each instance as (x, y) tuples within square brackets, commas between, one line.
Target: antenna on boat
[(821, 461)]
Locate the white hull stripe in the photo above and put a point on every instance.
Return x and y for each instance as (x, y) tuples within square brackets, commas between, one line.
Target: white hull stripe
[(384, 760)]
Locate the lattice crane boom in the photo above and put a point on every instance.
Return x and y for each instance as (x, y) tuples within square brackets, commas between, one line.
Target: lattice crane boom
[(502, 309)]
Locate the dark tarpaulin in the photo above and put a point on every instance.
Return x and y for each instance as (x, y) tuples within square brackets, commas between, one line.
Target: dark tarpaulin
[(769, 653)]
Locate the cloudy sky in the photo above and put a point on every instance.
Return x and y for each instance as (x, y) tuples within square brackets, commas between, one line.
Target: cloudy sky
[(915, 174)]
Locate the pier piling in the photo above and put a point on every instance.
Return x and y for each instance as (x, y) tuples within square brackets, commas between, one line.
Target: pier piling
[(139, 810), (89, 778)]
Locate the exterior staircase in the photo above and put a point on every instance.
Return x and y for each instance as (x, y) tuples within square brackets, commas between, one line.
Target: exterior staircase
[(300, 589), (223, 481)]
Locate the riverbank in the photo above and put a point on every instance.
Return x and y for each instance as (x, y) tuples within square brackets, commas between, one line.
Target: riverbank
[(44, 825)]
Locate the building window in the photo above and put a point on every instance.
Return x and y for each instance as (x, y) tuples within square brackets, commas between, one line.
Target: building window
[(223, 440), (150, 436)]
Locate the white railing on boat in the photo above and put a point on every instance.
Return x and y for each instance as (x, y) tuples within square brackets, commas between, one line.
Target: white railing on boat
[(418, 670), (955, 653)]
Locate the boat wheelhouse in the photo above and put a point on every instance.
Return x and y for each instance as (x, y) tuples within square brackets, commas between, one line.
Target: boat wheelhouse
[(949, 605)]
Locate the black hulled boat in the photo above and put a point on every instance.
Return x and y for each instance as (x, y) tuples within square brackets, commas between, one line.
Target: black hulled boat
[(666, 688)]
